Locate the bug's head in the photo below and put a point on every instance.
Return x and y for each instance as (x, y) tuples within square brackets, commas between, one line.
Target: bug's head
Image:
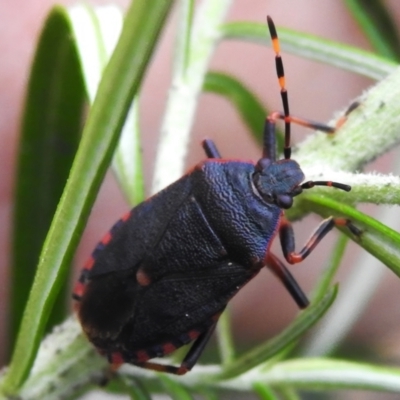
[(278, 182)]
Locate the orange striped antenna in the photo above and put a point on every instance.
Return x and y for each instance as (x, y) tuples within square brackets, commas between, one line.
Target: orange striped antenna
[(281, 78)]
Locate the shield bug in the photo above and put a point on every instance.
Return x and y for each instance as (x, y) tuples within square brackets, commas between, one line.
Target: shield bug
[(164, 273)]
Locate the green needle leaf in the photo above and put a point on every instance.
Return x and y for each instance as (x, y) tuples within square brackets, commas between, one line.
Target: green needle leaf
[(174, 388), (377, 24), (189, 72), (264, 352), (328, 374), (51, 130), (121, 80), (96, 32), (377, 238), (315, 48)]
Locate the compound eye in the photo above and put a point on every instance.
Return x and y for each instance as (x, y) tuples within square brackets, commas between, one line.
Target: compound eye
[(284, 201), (263, 163)]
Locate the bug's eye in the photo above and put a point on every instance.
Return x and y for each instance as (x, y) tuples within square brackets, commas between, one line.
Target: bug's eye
[(284, 201)]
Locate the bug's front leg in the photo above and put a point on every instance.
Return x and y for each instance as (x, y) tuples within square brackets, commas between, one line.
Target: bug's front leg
[(286, 236), (210, 149)]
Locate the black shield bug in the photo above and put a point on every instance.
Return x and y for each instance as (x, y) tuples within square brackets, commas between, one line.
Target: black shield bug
[(164, 273)]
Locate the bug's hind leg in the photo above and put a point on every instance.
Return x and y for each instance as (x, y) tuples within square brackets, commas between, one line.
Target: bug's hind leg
[(190, 359)]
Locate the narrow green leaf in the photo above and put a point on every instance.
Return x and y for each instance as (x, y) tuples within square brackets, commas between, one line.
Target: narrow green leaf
[(174, 388), (287, 393), (314, 48), (331, 374), (377, 238), (378, 25), (361, 283), (96, 32), (183, 99), (330, 270), (50, 135), (126, 386), (183, 37), (264, 352), (264, 392), (225, 339), (65, 366), (127, 162), (372, 187), (370, 130), (207, 393), (121, 80), (59, 371)]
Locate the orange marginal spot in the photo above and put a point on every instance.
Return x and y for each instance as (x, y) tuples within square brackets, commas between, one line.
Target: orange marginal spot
[(193, 334), (116, 360), (126, 216), (106, 238), (168, 348), (142, 278), (79, 289), (141, 356), (89, 264)]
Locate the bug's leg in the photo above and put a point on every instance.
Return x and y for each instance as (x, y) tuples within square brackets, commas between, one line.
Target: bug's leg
[(343, 118), (269, 139), (196, 350), (210, 149), (283, 274), (269, 129), (286, 236), (190, 359), (269, 147)]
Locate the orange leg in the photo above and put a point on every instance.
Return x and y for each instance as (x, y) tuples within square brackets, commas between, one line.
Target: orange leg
[(286, 235)]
